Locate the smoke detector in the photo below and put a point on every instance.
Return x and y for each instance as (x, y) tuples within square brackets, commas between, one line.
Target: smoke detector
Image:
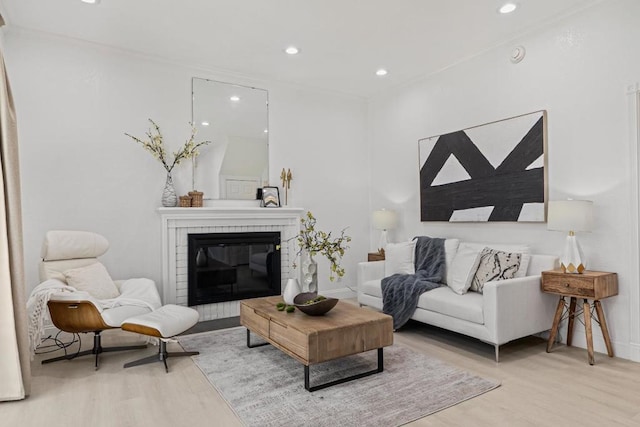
[(517, 54)]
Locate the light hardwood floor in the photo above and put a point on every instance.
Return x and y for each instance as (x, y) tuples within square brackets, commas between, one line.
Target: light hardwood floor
[(538, 389)]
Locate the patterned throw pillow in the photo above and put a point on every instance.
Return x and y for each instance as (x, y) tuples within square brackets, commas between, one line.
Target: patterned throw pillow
[(494, 265)]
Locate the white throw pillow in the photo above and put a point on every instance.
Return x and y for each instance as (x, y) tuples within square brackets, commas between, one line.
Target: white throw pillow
[(463, 268), (399, 258), (524, 263), (465, 263), (450, 249), (93, 279), (494, 265)]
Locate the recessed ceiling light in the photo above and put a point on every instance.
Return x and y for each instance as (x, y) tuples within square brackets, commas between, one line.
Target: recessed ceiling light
[(234, 98), (205, 123), (381, 72), (90, 1), (292, 50), (508, 8), (266, 131)]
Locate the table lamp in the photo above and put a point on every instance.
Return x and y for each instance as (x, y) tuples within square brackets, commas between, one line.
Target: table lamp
[(571, 216), (384, 220)]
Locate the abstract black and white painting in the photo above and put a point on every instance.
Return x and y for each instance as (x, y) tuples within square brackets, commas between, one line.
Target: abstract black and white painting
[(492, 172)]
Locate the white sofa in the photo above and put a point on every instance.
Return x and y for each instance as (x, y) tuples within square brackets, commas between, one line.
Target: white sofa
[(506, 310)]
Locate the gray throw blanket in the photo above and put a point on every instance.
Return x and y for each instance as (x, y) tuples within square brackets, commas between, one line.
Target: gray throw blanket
[(400, 292)]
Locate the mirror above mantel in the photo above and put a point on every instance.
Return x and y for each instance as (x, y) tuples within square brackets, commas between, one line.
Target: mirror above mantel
[(236, 119)]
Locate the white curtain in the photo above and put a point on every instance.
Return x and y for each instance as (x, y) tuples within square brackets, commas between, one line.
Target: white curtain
[(15, 374)]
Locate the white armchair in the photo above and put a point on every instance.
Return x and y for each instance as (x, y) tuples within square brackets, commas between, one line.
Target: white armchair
[(70, 257)]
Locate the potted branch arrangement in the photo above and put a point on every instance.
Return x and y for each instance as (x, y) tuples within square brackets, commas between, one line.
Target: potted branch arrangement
[(155, 145), (315, 242)]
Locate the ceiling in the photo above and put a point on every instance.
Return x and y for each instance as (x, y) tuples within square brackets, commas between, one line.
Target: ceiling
[(342, 42)]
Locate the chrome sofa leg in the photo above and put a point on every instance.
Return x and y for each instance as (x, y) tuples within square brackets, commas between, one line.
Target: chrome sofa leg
[(497, 347)]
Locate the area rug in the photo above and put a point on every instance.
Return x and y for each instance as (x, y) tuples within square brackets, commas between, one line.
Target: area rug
[(265, 387)]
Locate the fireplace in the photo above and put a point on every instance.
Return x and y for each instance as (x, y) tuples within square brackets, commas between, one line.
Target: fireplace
[(179, 223), (232, 266)]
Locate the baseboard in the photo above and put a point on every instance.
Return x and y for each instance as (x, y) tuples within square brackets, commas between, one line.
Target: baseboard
[(52, 338), (634, 352), (545, 335), (620, 349), (50, 330)]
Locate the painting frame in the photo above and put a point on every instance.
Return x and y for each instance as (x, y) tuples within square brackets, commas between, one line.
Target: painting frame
[(494, 172), (270, 197)]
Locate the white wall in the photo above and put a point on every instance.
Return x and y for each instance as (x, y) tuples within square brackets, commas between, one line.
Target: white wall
[(74, 102), (579, 70)]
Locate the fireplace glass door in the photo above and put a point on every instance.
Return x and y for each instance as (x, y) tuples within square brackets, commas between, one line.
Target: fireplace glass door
[(233, 266)]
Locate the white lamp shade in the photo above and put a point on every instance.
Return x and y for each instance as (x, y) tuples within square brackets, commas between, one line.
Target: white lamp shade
[(570, 215), (384, 219)]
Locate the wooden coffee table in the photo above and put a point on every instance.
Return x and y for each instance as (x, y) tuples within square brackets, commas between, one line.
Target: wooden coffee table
[(345, 330)]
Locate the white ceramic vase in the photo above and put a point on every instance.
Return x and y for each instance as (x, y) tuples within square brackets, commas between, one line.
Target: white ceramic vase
[(310, 274), (291, 290)]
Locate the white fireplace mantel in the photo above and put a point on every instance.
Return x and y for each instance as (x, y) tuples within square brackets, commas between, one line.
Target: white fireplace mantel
[(178, 223), (236, 215)]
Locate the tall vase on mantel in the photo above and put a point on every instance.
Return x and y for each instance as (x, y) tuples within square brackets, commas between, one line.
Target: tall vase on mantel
[(310, 274), (169, 197)]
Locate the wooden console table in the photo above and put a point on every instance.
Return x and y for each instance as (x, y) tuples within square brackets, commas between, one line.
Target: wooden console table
[(375, 256), (590, 285)]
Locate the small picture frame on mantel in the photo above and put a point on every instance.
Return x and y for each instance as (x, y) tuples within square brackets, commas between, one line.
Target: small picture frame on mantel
[(270, 197)]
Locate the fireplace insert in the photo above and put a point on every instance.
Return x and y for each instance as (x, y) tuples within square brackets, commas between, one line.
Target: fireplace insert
[(232, 266)]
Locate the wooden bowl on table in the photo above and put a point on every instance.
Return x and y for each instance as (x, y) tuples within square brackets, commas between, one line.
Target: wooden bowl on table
[(315, 308)]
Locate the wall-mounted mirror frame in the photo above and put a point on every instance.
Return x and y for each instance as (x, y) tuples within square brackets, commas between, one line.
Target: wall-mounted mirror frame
[(235, 118)]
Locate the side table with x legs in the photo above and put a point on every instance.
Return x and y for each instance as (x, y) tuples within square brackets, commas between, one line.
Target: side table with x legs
[(589, 285)]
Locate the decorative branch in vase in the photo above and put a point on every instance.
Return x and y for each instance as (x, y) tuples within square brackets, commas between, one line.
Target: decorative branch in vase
[(315, 242), (155, 145)]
